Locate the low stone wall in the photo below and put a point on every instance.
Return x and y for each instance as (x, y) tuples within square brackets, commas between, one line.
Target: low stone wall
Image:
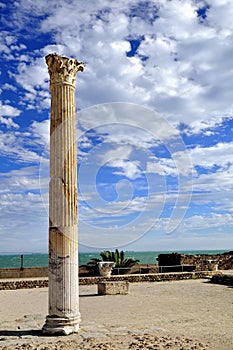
[(160, 277), (23, 284), (26, 272), (222, 279), (157, 277)]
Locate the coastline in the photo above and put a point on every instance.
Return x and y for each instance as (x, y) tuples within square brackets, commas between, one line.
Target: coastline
[(13, 260)]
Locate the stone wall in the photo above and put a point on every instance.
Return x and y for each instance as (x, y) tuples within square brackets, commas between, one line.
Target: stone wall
[(157, 277), (23, 284), (202, 262), (26, 272)]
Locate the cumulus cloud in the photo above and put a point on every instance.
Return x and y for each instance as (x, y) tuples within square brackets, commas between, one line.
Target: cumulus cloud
[(8, 111), (14, 234), (9, 122), (40, 132), (160, 55), (208, 157), (176, 68)]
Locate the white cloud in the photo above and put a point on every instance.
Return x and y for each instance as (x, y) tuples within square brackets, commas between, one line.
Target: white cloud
[(20, 180), (219, 15), (130, 169), (8, 122), (183, 76), (216, 184), (208, 157), (28, 146), (40, 132), (9, 87), (14, 234), (13, 146), (182, 68), (20, 198), (8, 111), (199, 222)]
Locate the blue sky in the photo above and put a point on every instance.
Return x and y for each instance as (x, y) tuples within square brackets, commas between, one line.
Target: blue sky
[(154, 122)]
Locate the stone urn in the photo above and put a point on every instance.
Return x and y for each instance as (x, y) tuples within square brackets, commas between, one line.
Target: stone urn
[(105, 268)]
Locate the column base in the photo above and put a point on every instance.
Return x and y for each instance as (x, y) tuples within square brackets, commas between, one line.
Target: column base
[(61, 325)]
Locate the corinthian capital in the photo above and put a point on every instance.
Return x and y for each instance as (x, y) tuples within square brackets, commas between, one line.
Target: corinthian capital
[(63, 69)]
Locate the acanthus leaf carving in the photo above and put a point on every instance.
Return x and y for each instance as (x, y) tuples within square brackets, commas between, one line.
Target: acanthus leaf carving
[(63, 69)]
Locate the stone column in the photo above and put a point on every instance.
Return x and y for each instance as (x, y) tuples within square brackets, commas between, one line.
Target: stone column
[(64, 316)]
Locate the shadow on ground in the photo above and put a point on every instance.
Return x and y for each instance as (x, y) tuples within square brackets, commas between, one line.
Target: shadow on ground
[(88, 295), (19, 333)]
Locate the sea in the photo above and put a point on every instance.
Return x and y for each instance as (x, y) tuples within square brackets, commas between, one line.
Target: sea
[(41, 260)]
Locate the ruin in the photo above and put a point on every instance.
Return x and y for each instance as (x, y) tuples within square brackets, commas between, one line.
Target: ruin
[(198, 262), (64, 315)]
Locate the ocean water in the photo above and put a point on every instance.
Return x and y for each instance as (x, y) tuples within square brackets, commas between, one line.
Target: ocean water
[(41, 260)]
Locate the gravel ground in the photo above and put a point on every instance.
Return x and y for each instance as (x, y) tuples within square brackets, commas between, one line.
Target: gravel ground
[(162, 315)]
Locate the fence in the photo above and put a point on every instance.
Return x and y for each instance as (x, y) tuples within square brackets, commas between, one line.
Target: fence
[(138, 269)]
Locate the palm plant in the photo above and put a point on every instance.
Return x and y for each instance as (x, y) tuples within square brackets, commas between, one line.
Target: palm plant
[(92, 266), (117, 257)]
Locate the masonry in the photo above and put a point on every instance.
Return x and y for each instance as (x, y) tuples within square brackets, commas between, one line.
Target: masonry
[(11, 284), (63, 312), (200, 262)]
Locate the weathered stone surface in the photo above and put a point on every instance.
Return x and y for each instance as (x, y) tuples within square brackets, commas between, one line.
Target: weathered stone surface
[(202, 262), (64, 316), (157, 277), (112, 288), (105, 268), (63, 69)]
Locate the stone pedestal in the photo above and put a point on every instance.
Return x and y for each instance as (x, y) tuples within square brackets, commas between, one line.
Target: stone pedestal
[(64, 316), (113, 287)]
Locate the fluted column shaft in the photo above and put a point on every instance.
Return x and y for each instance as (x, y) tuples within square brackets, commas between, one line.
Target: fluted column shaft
[(64, 316)]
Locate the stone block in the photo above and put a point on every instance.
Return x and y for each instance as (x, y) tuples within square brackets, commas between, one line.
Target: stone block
[(113, 287)]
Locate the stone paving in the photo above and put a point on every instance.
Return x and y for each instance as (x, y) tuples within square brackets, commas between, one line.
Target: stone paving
[(167, 315)]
